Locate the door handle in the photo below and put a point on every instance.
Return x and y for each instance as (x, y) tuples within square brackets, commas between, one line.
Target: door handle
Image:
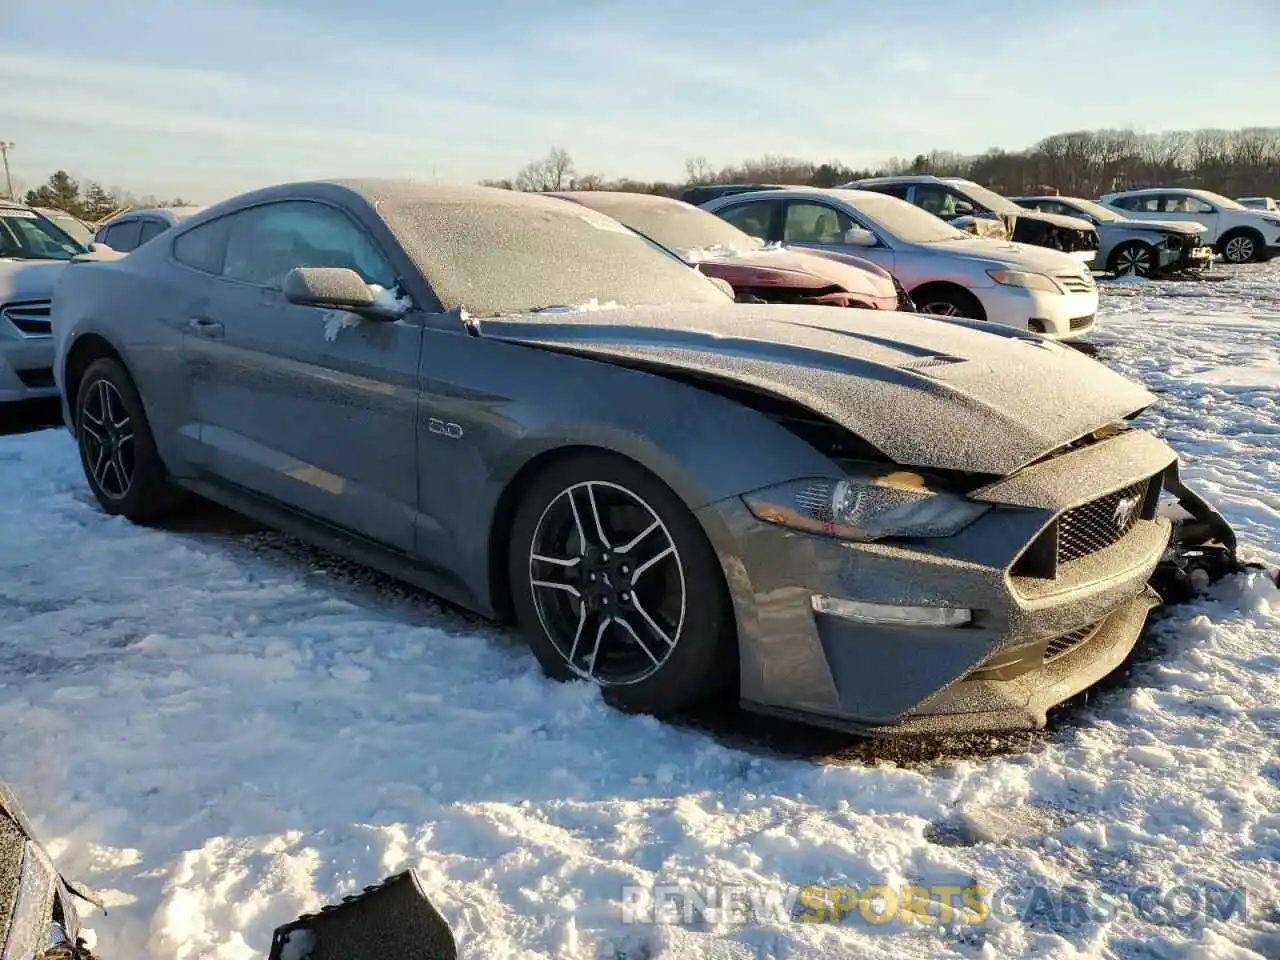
[(204, 327)]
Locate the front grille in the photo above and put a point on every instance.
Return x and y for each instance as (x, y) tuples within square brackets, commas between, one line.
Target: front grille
[(37, 378), (1063, 644), (1097, 525), (31, 317), (1075, 282), (1080, 323), (1086, 529)]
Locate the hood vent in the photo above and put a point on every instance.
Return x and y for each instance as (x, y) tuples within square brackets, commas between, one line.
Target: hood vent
[(937, 360)]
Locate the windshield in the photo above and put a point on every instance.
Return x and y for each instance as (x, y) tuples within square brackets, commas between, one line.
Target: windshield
[(689, 231), (1096, 210), (71, 226), (988, 198), (903, 221), (25, 235), (517, 253)]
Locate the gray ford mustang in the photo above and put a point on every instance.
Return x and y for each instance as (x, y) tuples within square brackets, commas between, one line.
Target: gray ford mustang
[(877, 521)]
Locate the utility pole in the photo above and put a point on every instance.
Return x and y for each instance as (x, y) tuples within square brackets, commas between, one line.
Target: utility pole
[(8, 183)]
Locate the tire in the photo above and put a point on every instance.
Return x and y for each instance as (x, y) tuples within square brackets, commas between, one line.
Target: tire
[(1133, 259), (1241, 246), (636, 670), (131, 481), (948, 302)]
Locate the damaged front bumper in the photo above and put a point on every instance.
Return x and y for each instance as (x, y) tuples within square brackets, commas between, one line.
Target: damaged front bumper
[(1040, 599)]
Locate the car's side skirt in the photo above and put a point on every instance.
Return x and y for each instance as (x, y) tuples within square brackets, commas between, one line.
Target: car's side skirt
[(338, 540)]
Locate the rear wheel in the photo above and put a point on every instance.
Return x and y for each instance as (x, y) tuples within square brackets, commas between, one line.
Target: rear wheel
[(117, 448), (1133, 259), (614, 582)]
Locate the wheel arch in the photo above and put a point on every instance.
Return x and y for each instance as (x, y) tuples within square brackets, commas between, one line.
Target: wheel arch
[(538, 461), (1252, 232), (951, 288), (84, 350)]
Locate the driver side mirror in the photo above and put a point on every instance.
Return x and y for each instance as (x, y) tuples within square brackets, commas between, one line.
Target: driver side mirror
[(963, 209), (334, 288), (860, 237)]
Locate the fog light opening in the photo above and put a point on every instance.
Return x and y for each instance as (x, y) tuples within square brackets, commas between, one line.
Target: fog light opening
[(892, 614)]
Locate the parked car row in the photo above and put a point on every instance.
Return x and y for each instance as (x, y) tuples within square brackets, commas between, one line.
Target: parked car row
[(865, 518), (1139, 232)]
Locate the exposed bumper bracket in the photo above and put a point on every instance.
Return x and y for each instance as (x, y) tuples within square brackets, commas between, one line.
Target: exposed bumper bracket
[(1202, 549)]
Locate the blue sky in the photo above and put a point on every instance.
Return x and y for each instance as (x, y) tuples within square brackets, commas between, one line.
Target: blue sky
[(208, 98)]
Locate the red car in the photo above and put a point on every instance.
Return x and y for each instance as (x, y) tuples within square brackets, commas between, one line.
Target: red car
[(755, 270)]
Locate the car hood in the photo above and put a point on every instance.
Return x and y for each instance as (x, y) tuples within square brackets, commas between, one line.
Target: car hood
[(1163, 226), (928, 393), (1057, 219), (29, 279), (1005, 253), (799, 270)]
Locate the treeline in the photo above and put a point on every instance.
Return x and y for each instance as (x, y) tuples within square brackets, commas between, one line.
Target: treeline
[(90, 201), (1237, 163)]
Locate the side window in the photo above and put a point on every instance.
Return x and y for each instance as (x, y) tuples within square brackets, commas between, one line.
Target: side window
[(1146, 204), (124, 236), (1185, 203), (202, 247), (939, 201), (899, 190), (266, 242), (151, 228), (1126, 203), (814, 223), (753, 218)]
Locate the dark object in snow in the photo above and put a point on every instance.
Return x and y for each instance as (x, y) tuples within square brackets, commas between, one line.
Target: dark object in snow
[(392, 920), (38, 917), (387, 921)]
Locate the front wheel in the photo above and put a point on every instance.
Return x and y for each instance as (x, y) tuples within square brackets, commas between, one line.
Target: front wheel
[(117, 449), (948, 302), (1133, 259), (614, 582)]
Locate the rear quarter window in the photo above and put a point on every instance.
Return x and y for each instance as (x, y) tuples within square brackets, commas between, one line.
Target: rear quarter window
[(203, 248)]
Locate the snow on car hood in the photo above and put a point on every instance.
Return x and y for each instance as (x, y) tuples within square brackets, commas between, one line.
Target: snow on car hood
[(29, 279), (1057, 219), (790, 268), (1006, 253), (927, 393), (1164, 226)]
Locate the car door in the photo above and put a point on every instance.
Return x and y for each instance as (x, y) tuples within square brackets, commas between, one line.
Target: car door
[(1188, 208), (308, 407), (823, 226)]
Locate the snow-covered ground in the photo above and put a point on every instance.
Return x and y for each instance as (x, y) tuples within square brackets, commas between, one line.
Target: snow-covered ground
[(220, 729)]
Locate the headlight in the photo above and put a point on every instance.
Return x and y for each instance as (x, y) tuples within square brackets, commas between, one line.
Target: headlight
[(1029, 281), (868, 504)]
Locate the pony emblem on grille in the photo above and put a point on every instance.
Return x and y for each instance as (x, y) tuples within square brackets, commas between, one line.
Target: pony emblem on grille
[(1123, 512)]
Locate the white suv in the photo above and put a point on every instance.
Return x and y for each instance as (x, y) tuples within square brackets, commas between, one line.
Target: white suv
[(1241, 235)]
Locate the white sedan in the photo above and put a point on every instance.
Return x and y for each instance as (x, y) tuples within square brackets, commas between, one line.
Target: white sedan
[(947, 272)]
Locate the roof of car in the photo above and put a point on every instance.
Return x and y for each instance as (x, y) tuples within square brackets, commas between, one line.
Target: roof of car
[(176, 214), (909, 178), (1146, 191), (617, 198), (836, 193)]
